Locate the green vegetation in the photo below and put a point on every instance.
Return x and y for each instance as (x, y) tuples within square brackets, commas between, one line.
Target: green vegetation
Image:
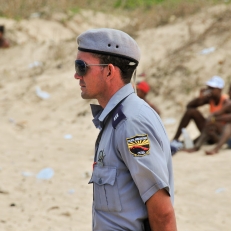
[(75, 9), (132, 4), (24, 8)]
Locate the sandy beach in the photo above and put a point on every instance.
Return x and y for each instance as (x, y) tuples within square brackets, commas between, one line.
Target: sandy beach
[(45, 124)]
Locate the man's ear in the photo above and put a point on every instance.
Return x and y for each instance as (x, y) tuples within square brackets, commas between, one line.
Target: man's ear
[(110, 70)]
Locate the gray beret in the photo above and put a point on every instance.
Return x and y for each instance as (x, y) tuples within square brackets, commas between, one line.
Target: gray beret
[(110, 42)]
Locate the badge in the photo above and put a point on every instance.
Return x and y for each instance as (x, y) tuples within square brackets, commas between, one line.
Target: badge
[(100, 158), (139, 145)]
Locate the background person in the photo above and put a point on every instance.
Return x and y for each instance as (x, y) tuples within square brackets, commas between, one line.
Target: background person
[(211, 95), (225, 135), (217, 128), (142, 90), (132, 174), (223, 115), (3, 42)]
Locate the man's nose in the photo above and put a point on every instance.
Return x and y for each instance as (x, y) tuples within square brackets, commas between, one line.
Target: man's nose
[(78, 76)]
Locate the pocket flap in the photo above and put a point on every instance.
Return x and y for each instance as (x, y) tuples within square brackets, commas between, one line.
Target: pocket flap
[(103, 175)]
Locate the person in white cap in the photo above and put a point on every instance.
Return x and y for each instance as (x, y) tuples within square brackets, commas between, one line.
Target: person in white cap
[(217, 127), (211, 95), (132, 170)]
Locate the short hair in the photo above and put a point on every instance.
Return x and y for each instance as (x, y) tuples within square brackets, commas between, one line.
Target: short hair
[(2, 29), (126, 70)]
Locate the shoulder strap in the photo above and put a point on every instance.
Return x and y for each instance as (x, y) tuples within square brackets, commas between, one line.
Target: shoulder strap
[(117, 116)]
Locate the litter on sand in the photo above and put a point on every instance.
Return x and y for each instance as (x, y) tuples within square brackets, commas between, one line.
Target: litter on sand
[(71, 191), (45, 174), (219, 190), (27, 174), (68, 136), (35, 64), (42, 94), (169, 121), (207, 50)]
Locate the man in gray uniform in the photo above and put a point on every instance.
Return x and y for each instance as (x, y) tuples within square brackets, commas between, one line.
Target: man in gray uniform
[(132, 174)]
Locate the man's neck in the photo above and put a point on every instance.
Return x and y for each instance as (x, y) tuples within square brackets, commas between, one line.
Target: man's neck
[(217, 100), (103, 101)]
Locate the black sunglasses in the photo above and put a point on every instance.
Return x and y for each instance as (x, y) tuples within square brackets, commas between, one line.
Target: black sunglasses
[(81, 67)]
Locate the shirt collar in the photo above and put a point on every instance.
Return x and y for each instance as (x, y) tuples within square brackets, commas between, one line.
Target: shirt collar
[(96, 110), (100, 113)]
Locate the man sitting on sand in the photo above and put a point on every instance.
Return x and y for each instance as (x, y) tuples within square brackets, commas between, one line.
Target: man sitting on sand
[(217, 128), (3, 42), (211, 95), (142, 90)]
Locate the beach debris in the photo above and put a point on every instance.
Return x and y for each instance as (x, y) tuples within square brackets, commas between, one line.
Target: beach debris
[(42, 94), (36, 68), (169, 121), (208, 50), (68, 136), (82, 113), (53, 208), (87, 174), (71, 191), (27, 174), (66, 214), (2, 191), (220, 190), (188, 143), (12, 205), (35, 15), (11, 120), (21, 124), (45, 174), (35, 64)]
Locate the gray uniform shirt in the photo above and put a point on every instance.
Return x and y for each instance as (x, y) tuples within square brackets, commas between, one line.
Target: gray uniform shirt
[(132, 162)]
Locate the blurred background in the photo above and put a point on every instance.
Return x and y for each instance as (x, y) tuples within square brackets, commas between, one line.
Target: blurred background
[(47, 137)]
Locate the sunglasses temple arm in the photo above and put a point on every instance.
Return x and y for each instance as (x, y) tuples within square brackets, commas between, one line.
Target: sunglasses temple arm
[(134, 81), (96, 65)]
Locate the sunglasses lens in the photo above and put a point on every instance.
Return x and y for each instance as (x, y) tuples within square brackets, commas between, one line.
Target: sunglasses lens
[(80, 67)]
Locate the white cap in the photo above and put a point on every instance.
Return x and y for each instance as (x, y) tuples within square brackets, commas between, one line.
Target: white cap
[(216, 82)]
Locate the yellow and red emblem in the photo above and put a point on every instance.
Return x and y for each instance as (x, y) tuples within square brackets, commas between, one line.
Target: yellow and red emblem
[(138, 145)]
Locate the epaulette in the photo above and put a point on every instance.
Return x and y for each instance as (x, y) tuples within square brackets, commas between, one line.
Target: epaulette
[(117, 116)]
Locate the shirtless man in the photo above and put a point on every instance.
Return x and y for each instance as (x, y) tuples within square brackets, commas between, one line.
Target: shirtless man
[(221, 117), (217, 128), (211, 95)]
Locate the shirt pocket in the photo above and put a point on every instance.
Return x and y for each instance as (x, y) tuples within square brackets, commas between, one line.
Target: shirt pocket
[(106, 193)]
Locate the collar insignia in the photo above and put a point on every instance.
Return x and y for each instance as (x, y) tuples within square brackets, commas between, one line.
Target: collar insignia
[(100, 158)]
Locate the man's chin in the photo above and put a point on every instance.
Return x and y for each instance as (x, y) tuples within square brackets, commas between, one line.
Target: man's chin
[(85, 96)]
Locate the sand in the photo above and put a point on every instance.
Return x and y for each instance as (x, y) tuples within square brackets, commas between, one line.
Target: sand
[(57, 132)]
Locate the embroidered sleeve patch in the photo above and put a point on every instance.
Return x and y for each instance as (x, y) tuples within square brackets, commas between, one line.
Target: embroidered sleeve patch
[(139, 145)]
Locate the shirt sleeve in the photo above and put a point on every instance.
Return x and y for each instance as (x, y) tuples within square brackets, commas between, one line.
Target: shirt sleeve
[(144, 147)]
